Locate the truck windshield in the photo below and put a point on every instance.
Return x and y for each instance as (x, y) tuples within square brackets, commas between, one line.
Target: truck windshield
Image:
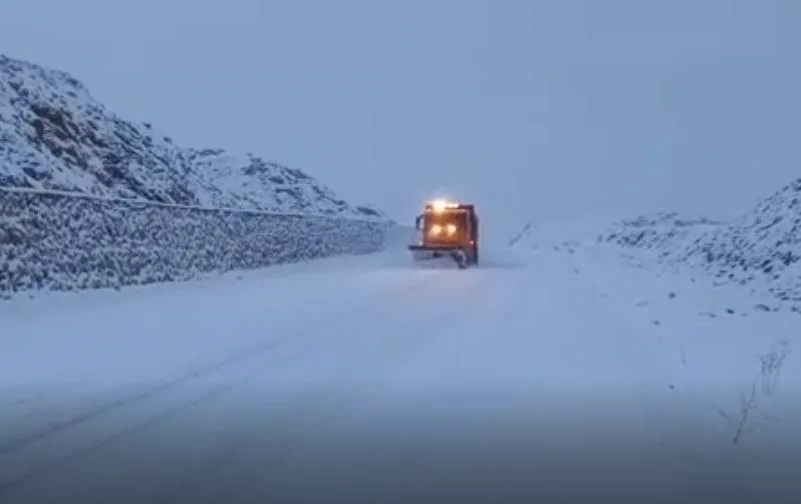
[(458, 218)]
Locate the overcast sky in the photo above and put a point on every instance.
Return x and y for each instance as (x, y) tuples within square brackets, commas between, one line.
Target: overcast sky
[(542, 109)]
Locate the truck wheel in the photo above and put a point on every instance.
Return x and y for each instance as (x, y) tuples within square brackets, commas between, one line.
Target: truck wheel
[(461, 258)]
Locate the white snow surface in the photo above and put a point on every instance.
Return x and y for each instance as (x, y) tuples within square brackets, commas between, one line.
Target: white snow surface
[(54, 136), (759, 252), (538, 375)]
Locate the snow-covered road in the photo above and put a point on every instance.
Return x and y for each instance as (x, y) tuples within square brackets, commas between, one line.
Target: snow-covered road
[(358, 379)]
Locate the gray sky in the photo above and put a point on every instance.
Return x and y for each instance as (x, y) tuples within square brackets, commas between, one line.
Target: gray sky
[(532, 109)]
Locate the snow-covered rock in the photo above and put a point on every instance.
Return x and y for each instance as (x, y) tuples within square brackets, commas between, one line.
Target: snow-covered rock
[(55, 136), (89, 199), (760, 250)]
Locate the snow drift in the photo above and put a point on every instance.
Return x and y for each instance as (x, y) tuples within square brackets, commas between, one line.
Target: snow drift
[(88, 199), (760, 250)]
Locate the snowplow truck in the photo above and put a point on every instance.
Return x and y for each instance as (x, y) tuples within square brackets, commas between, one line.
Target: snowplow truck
[(447, 230)]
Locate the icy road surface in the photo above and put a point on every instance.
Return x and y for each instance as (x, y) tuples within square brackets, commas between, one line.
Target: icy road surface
[(356, 380)]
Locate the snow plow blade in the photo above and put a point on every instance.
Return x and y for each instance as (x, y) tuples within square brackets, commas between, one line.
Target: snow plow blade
[(426, 252)]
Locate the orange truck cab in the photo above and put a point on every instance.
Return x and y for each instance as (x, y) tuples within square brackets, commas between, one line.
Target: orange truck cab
[(448, 229)]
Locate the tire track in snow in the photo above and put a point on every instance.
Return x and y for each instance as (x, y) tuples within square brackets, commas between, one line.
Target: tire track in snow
[(300, 341), (52, 465), (33, 402), (329, 396), (453, 319), (294, 343)]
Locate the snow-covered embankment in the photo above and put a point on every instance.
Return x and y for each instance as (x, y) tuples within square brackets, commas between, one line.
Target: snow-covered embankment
[(65, 242)]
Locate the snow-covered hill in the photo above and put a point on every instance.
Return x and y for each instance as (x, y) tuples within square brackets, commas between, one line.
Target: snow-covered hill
[(89, 199), (761, 250), (54, 135)]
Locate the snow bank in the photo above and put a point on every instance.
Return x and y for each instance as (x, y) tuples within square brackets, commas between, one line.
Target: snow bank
[(66, 242), (761, 250)]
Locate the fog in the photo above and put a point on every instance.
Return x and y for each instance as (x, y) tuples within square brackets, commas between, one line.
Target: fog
[(534, 110)]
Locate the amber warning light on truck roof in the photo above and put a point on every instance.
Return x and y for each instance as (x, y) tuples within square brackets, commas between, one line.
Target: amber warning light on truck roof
[(440, 205)]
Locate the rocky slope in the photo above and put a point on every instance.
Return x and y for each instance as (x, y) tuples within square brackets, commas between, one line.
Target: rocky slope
[(55, 136), (89, 200), (760, 250)]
